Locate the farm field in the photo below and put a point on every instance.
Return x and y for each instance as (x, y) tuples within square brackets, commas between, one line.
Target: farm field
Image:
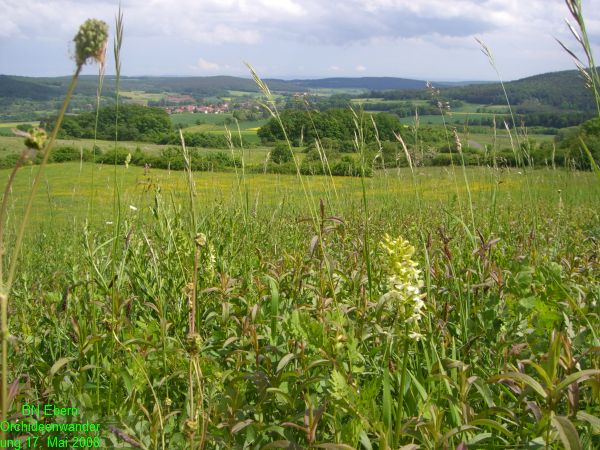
[(216, 123), (142, 97), (74, 182), (13, 145), (454, 118)]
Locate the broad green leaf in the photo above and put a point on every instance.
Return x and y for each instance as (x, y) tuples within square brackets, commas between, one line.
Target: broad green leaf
[(576, 378), (541, 371), (419, 386), (334, 447), (523, 378), (365, 441), (59, 364), (592, 420), (479, 438), (491, 424), (567, 432), (317, 363), (280, 444), (458, 430), (284, 361), (241, 425), (281, 394), (485, 392)]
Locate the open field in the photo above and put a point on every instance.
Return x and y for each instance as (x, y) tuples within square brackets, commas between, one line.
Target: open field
[(189, 119), (298, 296), (7, 127), (142, 97), (72, 182), (453, 118), (12, 145), (216, 123)]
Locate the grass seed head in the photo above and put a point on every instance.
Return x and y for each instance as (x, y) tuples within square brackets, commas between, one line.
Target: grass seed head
[(90, 42), (36, 138)]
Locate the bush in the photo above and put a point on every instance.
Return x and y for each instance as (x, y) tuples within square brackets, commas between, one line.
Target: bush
[(118, 156), (65, 154), (204, 140), (281, 153), (344, 166)]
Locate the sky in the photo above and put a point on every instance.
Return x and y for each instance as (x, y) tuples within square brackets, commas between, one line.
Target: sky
[(421, 39)]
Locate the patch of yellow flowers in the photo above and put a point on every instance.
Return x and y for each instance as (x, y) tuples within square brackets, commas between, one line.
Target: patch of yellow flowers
[(404, 283)]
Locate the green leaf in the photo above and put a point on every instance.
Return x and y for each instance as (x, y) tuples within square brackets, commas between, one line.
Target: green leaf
[(339, 386), (241, 425), (485, 392), (541, 371), (281, 444), (387, 400), (576, 378), (567, 432), (284, 361), (317, 363), (284, 395), (59, 364), (523, 378), (592, 420), (591, 158), (334, 447), (419, 386), (274, 307), (458, 430), (365, 441), (479, 438), (491, 424)]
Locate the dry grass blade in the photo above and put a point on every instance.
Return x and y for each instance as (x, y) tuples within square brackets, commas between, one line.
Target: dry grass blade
[(259, 82), (405, 149)]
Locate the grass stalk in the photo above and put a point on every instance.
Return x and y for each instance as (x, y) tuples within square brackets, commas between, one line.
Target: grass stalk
[(7, 286)]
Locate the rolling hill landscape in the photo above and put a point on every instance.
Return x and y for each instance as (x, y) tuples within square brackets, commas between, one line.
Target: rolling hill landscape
[(329, 263)]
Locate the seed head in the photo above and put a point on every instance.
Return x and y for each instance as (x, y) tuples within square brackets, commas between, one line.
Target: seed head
[(36, 138), (90, 41), (201, 240)]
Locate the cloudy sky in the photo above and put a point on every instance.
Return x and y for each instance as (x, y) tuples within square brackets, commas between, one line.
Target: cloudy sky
[(424, 39)]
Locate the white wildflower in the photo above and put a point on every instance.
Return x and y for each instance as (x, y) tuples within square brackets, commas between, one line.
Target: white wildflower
[(404, 297)]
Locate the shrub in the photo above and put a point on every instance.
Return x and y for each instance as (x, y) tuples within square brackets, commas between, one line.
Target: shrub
[(281, 153)]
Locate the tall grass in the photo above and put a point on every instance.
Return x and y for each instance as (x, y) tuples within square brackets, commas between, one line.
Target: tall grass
[(90, 43)]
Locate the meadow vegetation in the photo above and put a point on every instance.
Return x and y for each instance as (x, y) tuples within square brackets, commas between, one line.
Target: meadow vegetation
[(206, 303)]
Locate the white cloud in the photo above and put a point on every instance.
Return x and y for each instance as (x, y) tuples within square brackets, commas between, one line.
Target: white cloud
[(270, 31), (251, 22), (360, 68), (206, 66)]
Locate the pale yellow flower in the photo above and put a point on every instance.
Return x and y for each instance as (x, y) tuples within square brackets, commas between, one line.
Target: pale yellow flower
[(404, 297)]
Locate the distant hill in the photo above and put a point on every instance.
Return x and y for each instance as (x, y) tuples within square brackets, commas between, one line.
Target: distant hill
[(22, 87), (368, 83), (45, 88), (563, 90), (373, 83), (551, 91)]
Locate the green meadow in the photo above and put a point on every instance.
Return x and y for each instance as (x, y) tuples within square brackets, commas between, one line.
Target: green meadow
[(403, 308), (215, 310)]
